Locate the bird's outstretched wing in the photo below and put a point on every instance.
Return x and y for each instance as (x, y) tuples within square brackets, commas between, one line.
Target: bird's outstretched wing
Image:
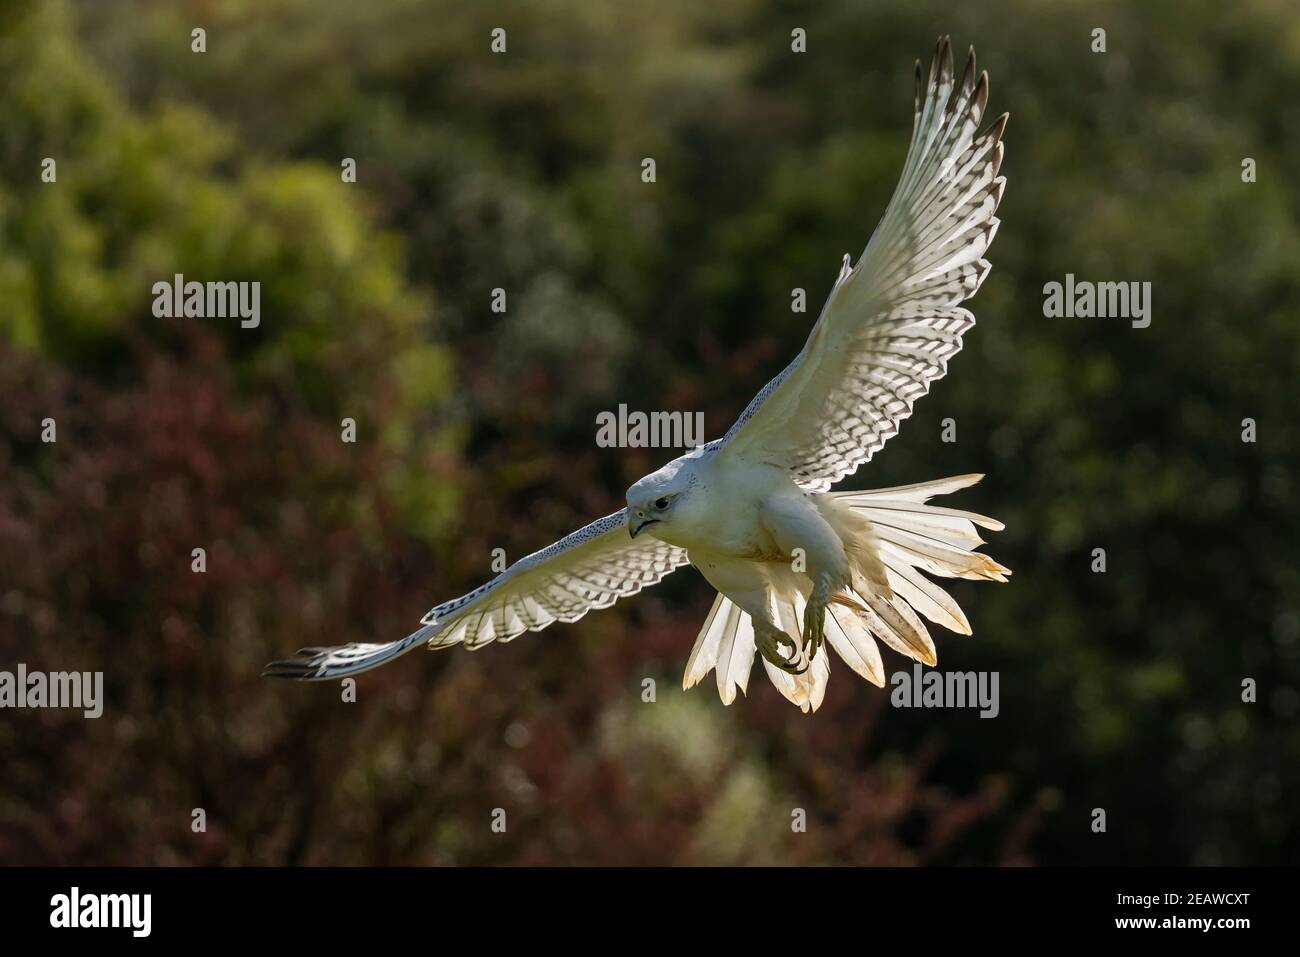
[(590, 568), (893, 321)]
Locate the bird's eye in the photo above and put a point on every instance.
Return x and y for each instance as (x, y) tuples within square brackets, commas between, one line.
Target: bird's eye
[(661, 503)]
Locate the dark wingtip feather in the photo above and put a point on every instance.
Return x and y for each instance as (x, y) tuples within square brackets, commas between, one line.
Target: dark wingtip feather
[(997, 127), (935, 59), (302, 668), (282, 669), (980, 98)]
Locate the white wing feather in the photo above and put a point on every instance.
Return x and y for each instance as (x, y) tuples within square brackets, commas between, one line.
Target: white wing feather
[(891, 323)]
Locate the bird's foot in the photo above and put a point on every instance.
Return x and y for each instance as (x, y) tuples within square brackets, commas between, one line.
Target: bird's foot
[(814, 625), (768, 639)]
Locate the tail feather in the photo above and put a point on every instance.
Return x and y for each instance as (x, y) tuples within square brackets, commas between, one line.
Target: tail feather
[(894, 623), (913, 537), (735, 655), (704, 656), (920, 492), (954, 560), (927, 597), (852, 641), (726, 645)]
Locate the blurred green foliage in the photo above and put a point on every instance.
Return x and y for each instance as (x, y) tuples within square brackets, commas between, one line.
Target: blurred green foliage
[(521, 171)]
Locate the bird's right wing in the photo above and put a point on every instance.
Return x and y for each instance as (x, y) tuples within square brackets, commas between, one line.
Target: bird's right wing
[(590, 568)]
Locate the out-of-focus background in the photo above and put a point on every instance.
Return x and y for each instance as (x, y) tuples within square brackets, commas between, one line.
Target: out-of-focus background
[(476, 430)]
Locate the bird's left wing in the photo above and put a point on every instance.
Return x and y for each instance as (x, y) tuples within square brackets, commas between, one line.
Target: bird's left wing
[(590, 568), (894, 320)]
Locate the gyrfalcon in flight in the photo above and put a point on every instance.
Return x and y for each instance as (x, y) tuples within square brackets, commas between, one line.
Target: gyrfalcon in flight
[(796, 565)]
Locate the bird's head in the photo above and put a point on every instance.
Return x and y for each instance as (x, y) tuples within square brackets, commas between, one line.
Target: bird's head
[(660, 499)]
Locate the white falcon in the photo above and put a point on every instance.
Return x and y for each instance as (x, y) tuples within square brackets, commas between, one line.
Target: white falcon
[(796, 565)]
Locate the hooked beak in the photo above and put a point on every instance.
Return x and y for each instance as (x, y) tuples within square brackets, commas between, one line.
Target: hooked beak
[(635, 526)]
